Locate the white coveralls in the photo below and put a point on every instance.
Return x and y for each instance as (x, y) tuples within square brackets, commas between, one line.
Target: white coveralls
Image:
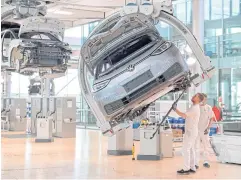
[(206, 113), (190, 136)]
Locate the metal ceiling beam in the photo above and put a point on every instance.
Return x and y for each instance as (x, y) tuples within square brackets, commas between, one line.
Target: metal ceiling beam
[(85, 9), (90, 6)]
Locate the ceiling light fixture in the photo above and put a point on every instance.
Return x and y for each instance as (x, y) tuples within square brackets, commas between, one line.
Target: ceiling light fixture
[(63, 12)]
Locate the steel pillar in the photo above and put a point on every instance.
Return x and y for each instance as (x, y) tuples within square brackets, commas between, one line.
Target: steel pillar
[(45, 88), (198, 32), (6, 85)]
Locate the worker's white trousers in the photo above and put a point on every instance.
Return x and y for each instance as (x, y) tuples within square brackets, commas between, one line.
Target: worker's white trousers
[(28, 129), (202, 139), (189, 150)]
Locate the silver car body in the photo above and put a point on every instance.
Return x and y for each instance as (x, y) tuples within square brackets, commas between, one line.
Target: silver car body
[(146, 68), (39, 48)]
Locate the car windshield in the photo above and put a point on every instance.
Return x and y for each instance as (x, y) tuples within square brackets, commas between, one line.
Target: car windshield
[(121, 53), (38, 35)]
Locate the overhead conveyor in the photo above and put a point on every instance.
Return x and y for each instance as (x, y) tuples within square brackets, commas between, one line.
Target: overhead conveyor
[(32, 43), (155, 11)]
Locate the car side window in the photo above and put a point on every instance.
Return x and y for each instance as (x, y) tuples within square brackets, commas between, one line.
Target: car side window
[(43, 36), (40, 36), (37, 36)]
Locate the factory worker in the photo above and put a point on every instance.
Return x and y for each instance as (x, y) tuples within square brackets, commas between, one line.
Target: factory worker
[(205, 121), (191, 132)]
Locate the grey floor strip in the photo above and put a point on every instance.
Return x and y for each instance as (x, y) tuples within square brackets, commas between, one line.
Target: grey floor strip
[(149, 157), (119, 152), (15, 136)]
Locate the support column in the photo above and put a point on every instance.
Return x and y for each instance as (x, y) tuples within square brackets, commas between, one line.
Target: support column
[(6, 84), (198, 31), (45, 95), (121, 143), (46, 90), (44, 123)]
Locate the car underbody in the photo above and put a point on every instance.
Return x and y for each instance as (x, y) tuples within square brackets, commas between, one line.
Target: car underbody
[(52, 58)]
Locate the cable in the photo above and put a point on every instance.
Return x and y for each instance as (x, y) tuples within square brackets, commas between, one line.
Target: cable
[(163, 119)]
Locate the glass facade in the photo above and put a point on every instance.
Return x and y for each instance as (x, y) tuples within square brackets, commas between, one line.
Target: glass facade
[(84, 115), (222, 43)]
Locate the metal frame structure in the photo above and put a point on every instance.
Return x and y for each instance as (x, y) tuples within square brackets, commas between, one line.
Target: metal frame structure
[(157, 11)]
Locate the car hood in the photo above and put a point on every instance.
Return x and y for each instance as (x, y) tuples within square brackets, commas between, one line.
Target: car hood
[(42, 24), (113, 32)]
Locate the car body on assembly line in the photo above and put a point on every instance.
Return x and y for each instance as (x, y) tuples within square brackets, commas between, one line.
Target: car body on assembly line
[(132, 65), (39, 47)]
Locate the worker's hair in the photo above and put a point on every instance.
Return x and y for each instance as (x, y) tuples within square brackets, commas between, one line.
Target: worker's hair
[(205, 95), (200, 96)]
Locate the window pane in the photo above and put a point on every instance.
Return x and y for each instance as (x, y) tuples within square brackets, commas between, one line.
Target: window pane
[(226, 8), (189, 12), (216, 9), (59, 86), (206, 9), (235, 7), (86, 30), (73, 32), (19, 85), (181, 12), (73, 86)]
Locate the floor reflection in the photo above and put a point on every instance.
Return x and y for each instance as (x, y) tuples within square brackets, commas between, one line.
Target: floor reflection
[(86, 157)]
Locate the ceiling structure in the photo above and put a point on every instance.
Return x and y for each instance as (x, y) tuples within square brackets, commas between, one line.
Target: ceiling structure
[(78, 12)]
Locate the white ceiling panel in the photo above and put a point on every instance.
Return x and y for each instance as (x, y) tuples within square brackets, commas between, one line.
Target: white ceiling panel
[(78, 12)]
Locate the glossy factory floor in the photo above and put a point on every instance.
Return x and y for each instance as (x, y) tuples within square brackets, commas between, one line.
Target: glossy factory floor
[(85, 157)]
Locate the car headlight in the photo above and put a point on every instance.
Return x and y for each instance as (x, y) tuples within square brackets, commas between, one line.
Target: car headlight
[(162, 48), (100, 85)]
